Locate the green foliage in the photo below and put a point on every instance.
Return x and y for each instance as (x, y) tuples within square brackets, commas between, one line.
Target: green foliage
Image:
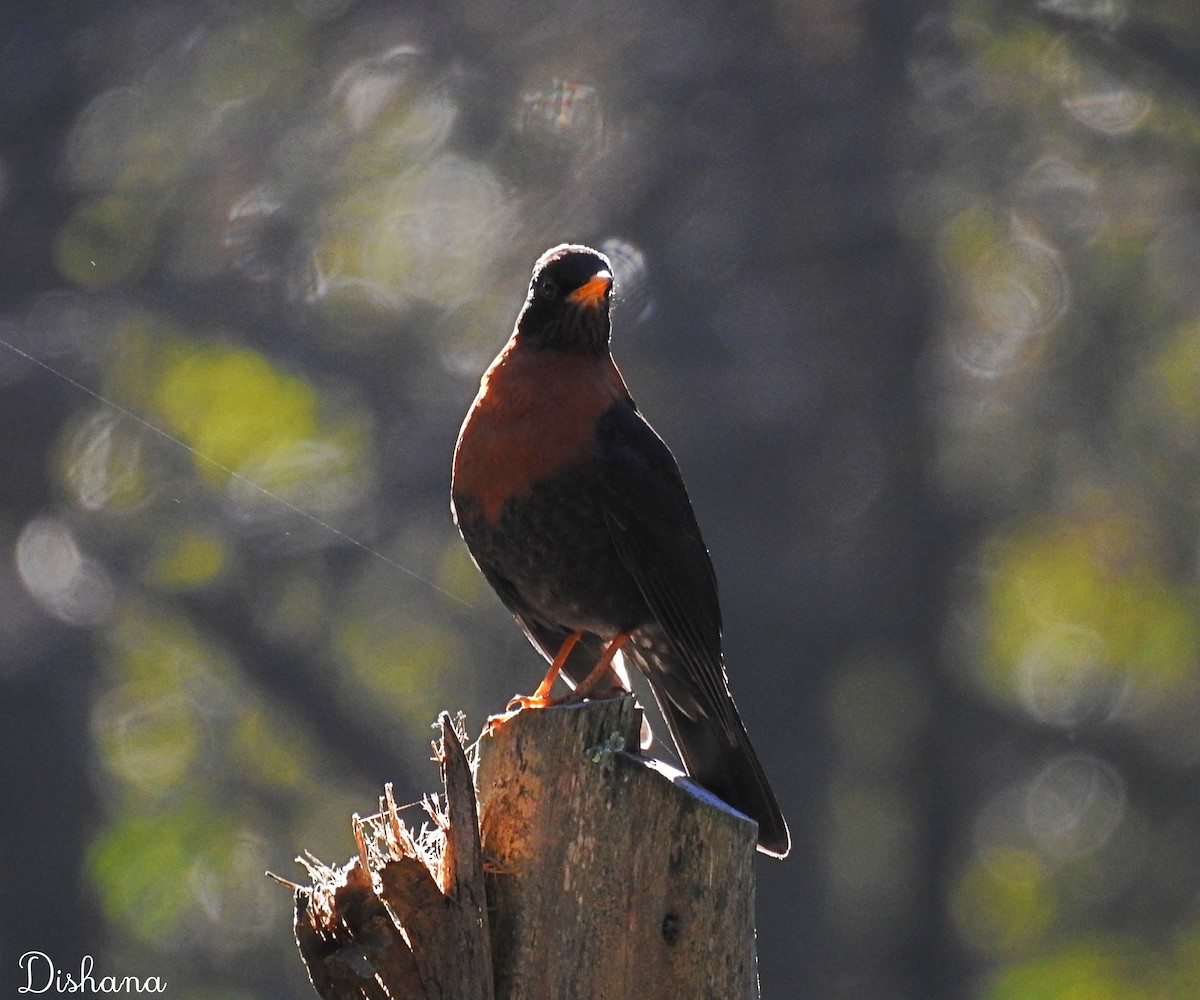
[(231, 406), (1065, 418), (107, 241), (1105, 969), (189, 559), (1004, 903), (140, 865), (1087, 591), (403, 670), (299, 230)]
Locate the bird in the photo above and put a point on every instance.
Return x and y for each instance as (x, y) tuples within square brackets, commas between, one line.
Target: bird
[(576, 513)]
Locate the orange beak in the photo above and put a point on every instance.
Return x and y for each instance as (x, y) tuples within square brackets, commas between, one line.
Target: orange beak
[(593, 292)]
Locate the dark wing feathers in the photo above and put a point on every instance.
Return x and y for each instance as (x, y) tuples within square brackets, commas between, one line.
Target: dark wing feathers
[(654, 530)]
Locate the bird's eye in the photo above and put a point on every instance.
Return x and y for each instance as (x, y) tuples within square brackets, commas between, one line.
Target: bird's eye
[(547, 287)]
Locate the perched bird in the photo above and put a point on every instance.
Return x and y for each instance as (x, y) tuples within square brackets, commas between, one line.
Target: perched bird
[(575, 511)]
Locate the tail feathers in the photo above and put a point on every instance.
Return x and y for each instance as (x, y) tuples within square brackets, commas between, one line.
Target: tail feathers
[(730, 770), (719, 758)]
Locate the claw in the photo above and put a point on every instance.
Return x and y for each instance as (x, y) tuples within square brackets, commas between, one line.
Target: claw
[(534, 700), (496, 722)]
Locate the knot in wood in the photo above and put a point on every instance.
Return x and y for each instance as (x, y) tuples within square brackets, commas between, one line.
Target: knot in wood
[(671, 926)]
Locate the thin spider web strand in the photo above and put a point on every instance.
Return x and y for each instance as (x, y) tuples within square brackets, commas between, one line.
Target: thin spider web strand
[(179, 442)]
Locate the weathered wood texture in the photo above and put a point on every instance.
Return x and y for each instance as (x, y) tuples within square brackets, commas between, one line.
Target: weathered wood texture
[(606, 879), (613, 881)]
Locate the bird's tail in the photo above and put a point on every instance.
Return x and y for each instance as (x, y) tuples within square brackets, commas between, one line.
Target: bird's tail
[(720, 758)]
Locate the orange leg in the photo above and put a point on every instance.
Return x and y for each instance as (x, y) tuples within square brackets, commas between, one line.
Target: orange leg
[(541, 697), (585, 688)]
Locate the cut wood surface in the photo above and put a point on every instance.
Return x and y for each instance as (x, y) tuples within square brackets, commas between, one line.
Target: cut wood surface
[(607, 878)]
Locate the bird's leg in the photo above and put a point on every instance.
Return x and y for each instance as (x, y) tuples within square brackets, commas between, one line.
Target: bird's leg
[(587, 687), (541, 697)]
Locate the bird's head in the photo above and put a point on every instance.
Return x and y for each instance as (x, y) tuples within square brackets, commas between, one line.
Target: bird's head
[(567, 305)]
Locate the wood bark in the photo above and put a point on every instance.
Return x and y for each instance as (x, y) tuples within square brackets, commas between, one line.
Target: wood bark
[(613, 881), (607, 875)]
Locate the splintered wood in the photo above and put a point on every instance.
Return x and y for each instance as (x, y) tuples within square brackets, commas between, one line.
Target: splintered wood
[(407, 918), (606, 877)]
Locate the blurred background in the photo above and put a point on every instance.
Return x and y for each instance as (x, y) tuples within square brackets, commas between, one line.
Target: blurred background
[(911, 288)]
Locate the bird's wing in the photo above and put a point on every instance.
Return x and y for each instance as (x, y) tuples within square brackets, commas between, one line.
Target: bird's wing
[(654, 530)]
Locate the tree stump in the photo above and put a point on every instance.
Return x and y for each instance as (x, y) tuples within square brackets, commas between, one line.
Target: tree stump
[(608, 876), (407, 918)]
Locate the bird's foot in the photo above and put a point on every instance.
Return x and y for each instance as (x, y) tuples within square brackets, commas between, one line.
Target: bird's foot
[(541, 698), (515, 704), (589, 688), (496, 722), (535, 700)]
